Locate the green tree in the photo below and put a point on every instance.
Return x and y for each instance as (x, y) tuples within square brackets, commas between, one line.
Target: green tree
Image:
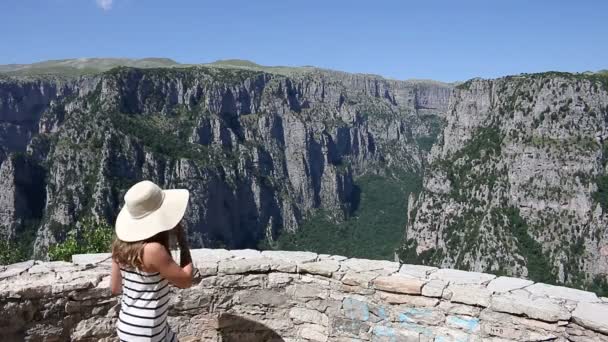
[(11, 252), (93, 237)]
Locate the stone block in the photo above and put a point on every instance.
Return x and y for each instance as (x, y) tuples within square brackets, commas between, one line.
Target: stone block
[(467, 323), (471, 295), (460, 309), (279, 279), (459, 277), (533, 307), (382, 267), (324, 268), (309, 316), (346, 327), (417, 271), (239, 266), (593, 316), (355, 309), (245, 253), (90, 259), (306, 291), (399, 284), (421, 316), (294, 257), (418, 301), (201, 255), (561, 292), (94, 328), (362, 279), (268, 297), (207, 268), (16, 269), (313, 332), (434, 288), (383, 333), (507, 284)]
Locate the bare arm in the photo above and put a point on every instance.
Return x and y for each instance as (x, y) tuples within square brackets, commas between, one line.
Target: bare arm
[(115, 279), (157, 259)]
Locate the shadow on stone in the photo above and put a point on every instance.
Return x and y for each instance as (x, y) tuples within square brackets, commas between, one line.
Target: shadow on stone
[(233, 328)]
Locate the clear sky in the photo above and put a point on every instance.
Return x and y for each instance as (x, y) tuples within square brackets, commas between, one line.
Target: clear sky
[(445, 40)]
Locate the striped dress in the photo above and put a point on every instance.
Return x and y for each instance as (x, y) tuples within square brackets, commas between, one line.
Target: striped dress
[(144, 307)]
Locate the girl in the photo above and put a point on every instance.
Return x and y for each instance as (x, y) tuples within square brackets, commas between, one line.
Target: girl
[(142, 266)]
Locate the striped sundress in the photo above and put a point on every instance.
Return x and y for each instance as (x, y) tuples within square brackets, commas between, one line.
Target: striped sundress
[(144, 307)]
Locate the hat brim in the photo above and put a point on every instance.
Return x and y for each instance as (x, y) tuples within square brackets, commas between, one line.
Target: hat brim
[(165, 218)]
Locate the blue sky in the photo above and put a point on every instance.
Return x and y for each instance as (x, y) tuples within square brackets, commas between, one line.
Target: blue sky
[(445, 40)]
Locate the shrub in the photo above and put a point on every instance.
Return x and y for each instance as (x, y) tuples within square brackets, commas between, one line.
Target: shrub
[(93, 237)]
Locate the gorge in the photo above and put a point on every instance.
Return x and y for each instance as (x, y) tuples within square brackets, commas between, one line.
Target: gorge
[(506, 176)]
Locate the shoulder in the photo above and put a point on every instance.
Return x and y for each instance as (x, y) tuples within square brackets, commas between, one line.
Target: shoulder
[(154, 253), (154, 247)]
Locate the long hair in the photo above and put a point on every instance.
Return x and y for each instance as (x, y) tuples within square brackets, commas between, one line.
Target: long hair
[(130, 254)]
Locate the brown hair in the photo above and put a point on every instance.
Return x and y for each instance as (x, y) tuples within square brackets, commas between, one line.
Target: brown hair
[(130, 254)]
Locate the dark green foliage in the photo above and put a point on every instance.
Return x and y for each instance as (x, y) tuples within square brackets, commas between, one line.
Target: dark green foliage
[(93, 237), (158, 140), (465, 85), (485, 144), (539, 267), (12, 252), (601, 195), (434, 125), (599, 285), (407, 254), (425, 143), (373, 232)]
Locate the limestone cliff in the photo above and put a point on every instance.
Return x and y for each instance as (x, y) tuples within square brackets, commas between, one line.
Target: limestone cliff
[(258, 150), (517, 183)]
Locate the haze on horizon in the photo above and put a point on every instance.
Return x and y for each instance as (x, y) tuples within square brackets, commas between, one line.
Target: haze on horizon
[(441, 40)]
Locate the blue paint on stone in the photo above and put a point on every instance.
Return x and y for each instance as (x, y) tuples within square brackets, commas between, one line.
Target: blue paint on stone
[(417, 328), (450, 339), (382, 313), (380, 330), (387, 333), (355, 309), (414, 312), (468, 324)]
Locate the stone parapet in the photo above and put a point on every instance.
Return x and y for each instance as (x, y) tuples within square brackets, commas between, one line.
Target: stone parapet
[(246, 295)]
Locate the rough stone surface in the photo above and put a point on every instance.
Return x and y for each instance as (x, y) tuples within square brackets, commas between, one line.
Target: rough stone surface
[(324, 268), (399, 284), (534, 307), (434, 288), (472, 295), (462, 277), (85, 259), (243, 296), (506, 284), (561, 292), (592, 315)]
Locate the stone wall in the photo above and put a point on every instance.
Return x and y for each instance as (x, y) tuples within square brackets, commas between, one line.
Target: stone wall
[(246, 295)]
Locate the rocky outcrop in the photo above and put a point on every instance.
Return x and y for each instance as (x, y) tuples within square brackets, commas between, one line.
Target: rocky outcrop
[(517, 182), (259, 151), (246, 295)]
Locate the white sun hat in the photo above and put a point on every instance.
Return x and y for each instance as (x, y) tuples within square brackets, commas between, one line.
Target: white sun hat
[(149, 210)]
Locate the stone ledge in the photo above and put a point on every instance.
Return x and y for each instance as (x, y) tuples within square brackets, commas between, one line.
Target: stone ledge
[(312, 297)]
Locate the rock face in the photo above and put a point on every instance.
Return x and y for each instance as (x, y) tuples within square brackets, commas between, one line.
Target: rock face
[(517, 181), (246, 295), (259, 151)]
